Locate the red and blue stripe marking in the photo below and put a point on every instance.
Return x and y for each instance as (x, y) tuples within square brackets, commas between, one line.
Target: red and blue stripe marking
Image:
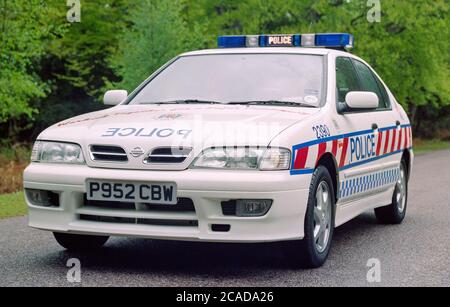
[(390, 141)]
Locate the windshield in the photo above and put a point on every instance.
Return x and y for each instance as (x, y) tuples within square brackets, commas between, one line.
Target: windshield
[(238, 78)]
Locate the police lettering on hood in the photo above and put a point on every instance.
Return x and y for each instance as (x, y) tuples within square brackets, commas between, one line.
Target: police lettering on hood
[(146, 132)]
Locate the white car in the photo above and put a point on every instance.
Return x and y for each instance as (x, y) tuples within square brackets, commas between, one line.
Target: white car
[(270, 138)]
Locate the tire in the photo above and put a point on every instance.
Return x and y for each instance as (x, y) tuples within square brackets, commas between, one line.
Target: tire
[(313, 250), (395, 212), (74, 242)]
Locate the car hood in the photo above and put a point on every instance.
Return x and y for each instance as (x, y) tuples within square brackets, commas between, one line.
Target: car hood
[(196, 126)]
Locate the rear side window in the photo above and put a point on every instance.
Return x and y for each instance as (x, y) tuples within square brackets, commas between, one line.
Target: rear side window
[(370, 83), (346, 78)]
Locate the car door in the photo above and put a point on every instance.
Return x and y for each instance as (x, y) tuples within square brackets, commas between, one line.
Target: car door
[(366, 164)]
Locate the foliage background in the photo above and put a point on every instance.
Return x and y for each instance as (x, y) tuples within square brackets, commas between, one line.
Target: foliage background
[(51, 69)]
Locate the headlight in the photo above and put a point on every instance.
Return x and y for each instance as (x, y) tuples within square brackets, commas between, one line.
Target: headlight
[(244, 158), (53, 152)]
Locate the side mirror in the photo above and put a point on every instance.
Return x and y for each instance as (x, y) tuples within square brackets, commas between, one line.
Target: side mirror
[(362, 100), (113, 98)]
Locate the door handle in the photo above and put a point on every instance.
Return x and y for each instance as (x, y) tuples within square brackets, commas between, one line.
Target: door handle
[(374, 126)]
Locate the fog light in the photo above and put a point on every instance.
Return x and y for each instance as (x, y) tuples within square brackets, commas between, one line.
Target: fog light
[(43, 198), (252, 207)]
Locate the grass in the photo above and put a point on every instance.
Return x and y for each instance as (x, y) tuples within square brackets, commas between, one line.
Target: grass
[(12, 205), (13, 160), (423, 146)]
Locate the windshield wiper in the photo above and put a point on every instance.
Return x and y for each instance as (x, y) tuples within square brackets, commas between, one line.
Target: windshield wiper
[(255, 102), (273, 102), (185, 101)]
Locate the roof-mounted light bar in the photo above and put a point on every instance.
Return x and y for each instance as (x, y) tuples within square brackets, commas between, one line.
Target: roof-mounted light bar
[(331, 40)]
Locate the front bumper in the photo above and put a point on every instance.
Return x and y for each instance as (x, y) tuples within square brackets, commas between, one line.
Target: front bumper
[(206, 188)]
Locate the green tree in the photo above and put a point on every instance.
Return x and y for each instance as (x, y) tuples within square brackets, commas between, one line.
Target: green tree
[(75, 64), (409, 48), (62, 69), (25, 26), (157, 33), (80, 56)]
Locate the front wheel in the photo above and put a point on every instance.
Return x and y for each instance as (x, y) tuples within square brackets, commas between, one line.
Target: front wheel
[(313, 250), (395, 213), (75, 242)]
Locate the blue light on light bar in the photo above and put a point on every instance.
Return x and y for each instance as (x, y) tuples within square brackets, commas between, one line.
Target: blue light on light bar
[(331, 40), (232, 41), (336, 40)]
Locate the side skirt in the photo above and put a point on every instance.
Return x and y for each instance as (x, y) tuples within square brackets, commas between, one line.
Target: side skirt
[(348, 211)]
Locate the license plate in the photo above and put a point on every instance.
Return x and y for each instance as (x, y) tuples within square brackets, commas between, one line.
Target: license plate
[(138, 192)]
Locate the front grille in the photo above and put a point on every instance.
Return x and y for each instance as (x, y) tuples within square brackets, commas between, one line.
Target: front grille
[(168, 155), (104, 153), (182, 214), (153, 222), (107, 219), (183, 223), (116, 205), (183, 205)]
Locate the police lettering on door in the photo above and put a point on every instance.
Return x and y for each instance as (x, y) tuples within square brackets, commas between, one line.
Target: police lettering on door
[(362, 147)]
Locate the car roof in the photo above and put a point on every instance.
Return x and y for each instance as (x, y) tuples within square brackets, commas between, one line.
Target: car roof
[(281, 50)]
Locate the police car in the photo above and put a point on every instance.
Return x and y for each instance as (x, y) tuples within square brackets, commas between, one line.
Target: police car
[(268, 138)]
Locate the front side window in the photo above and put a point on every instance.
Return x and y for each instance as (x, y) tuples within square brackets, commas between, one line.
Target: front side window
[(238, 78), (346, 78), (370, 83)]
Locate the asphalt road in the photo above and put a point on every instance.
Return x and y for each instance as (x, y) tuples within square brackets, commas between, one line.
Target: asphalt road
[(415, 253)]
